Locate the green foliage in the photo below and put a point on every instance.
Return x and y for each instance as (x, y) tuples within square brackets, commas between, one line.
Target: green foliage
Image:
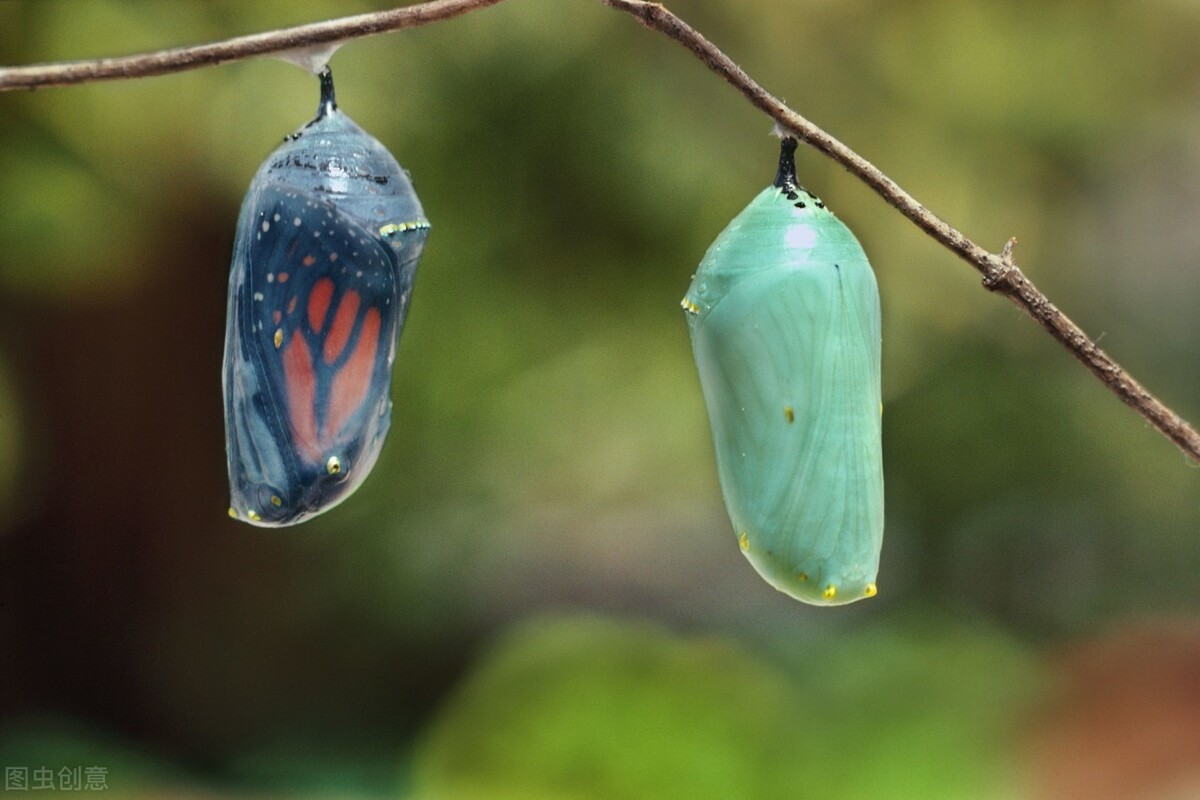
[(596, 709), (578, 708)]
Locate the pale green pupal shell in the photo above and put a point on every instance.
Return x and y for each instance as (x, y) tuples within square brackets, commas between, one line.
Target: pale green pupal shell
[(784, 319)]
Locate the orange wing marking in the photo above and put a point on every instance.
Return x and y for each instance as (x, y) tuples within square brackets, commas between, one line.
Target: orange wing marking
[(342, 326), (353, 381), (301, 395), (318, 303)]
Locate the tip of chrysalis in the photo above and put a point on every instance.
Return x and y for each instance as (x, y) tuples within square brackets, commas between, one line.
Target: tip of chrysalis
[(785, 178), (328, 103)]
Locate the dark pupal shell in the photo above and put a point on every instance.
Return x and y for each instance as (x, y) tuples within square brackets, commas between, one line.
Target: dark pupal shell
[(327, 245), (784, 320)]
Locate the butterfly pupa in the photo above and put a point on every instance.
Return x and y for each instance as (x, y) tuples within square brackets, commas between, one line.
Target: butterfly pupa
[(324, 257), (784, 319)]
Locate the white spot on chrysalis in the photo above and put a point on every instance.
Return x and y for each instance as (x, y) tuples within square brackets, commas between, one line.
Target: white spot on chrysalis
[(266, 226), (276, 218), (801, 237), (258, 297), (270, 277), (296, 222)]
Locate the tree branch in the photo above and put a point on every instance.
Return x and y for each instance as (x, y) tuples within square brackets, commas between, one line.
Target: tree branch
[(242, 47), (1000, 272)]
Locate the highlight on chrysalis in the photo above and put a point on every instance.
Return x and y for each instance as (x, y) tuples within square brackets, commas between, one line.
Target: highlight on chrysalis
[(784, 319), (327, 245)]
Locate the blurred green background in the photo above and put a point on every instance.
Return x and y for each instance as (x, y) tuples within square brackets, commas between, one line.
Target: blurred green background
[(537, 594)]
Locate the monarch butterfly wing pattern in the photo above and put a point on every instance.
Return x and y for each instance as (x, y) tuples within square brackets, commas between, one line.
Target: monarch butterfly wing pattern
[(785, 325), (328, 242), (315, 310)]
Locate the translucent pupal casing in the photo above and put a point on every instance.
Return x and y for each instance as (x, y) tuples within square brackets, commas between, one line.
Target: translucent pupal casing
[(785, 327), (326, 249)]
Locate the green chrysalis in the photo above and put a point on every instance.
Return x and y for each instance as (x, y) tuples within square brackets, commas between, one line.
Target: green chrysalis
[(784, 321)]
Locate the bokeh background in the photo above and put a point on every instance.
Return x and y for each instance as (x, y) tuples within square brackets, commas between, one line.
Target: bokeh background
[(537, 594)]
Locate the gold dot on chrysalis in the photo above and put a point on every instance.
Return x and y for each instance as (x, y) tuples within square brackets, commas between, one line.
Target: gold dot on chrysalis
[(789, 413), (278, 337), (232, 512), (744, 541), (252, 514), (870, 591), (276, 501), (333, 466), (401, 227), (830, 592), (803, 576)]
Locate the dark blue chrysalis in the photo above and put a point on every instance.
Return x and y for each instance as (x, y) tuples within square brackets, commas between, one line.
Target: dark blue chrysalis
[(327, 245)]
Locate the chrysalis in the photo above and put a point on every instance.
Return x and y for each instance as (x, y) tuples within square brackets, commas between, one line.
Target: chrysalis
[(327, 244), (784, 321)]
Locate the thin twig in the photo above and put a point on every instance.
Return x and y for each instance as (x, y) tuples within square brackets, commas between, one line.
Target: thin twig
[(1000, 272), (178, 59)]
